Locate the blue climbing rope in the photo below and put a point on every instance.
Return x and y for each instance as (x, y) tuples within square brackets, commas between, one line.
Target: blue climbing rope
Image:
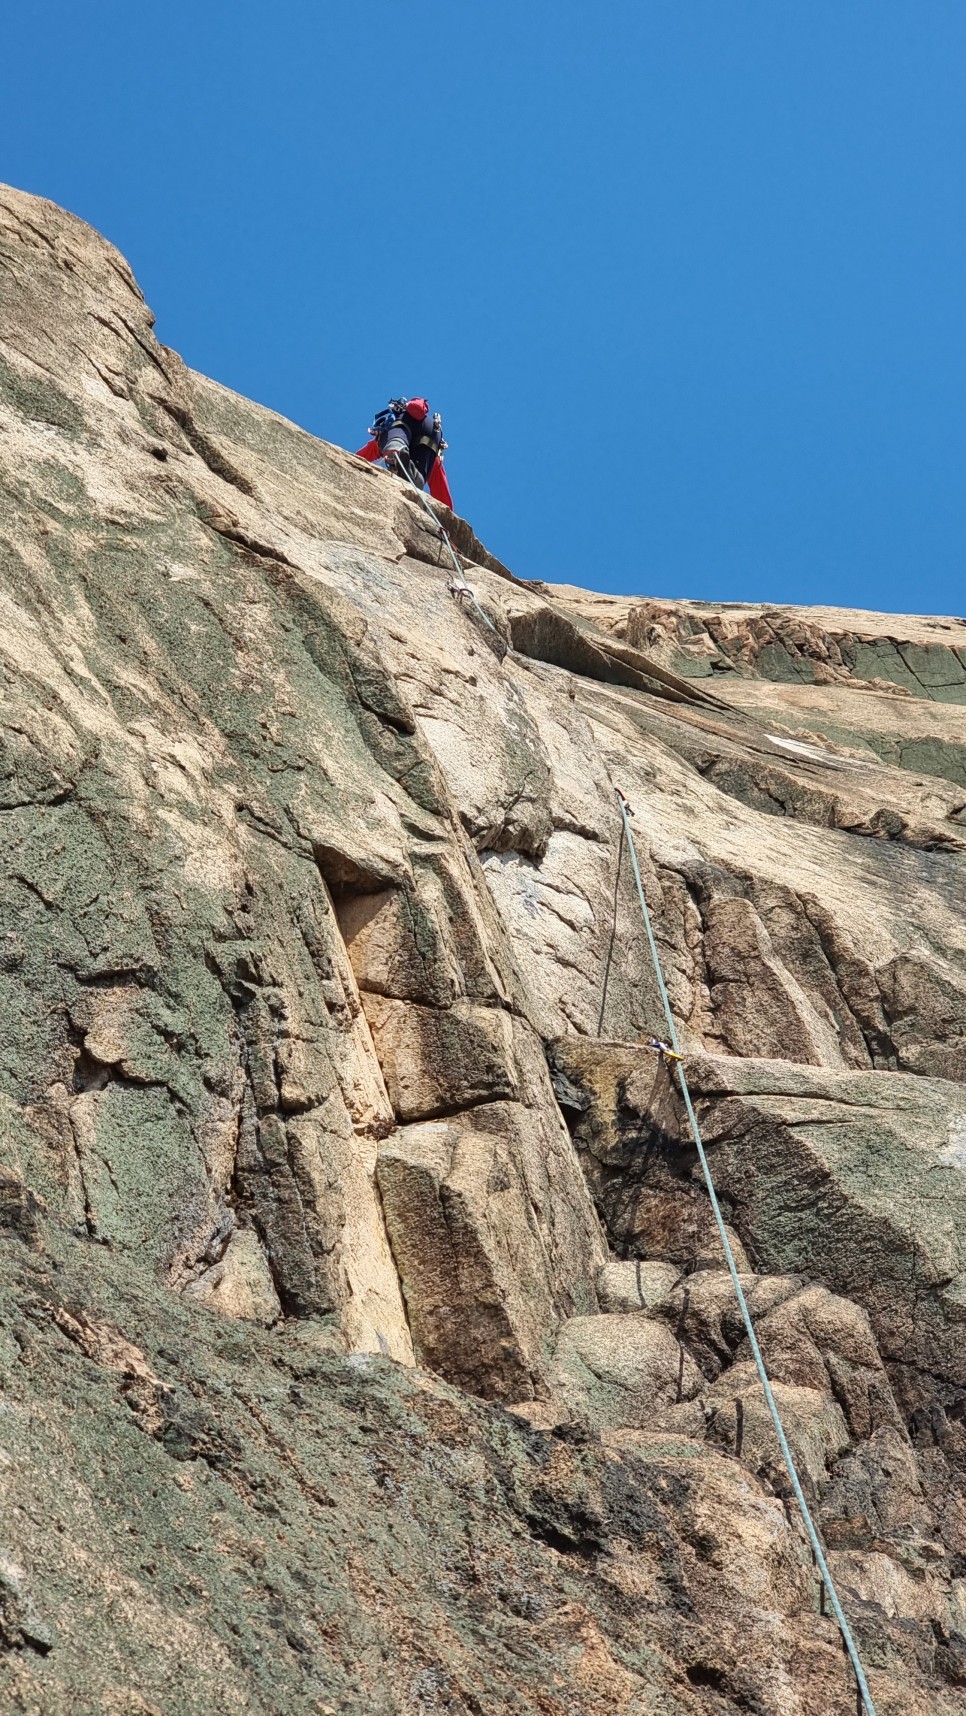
[(810, 1527)]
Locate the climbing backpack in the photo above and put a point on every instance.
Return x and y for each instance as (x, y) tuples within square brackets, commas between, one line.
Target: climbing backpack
[(384, 419)]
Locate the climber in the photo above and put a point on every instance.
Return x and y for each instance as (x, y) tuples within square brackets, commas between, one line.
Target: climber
[(411, 443)]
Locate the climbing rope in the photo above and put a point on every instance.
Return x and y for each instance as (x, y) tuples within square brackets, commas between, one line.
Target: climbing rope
[(462, 589), (670, 1054), (864, 1694)]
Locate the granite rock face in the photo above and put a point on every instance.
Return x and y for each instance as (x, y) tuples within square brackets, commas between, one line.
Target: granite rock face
[(366, 1342)]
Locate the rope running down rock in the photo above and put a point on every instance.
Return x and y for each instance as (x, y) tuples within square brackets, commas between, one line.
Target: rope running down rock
[(463, 588), (810, 1527), (865, 1696)]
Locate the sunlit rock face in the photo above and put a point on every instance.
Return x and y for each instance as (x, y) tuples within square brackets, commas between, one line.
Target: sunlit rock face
[(366, 1341)]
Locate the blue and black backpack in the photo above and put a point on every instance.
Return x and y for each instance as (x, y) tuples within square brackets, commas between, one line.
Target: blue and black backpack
[(384, 419)]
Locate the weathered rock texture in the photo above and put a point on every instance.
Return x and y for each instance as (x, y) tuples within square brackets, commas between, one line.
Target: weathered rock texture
[(366, 1344)]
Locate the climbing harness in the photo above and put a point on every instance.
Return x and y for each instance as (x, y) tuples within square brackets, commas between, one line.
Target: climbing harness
[(862, 1685), (460, 589), (434, 435)]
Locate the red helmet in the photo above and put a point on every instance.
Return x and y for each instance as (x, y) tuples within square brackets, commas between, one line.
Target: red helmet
[(417, 408)]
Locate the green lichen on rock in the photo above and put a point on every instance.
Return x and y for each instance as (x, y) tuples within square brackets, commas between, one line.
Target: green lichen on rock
[(364, 1343)]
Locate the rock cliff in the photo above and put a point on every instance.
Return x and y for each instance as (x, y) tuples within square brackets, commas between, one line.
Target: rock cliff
[(366, 1344)]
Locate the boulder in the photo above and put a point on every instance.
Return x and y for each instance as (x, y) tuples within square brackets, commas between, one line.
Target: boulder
[(616, 1371), (635, 1285), (495, 1242)]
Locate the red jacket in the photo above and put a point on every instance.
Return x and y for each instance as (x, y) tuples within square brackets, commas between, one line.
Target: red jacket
[(438, 484)]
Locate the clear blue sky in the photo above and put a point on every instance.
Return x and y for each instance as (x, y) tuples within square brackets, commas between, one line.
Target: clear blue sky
[(687, 278)]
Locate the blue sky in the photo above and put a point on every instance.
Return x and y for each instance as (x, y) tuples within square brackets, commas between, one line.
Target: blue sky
[(685, 277)]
